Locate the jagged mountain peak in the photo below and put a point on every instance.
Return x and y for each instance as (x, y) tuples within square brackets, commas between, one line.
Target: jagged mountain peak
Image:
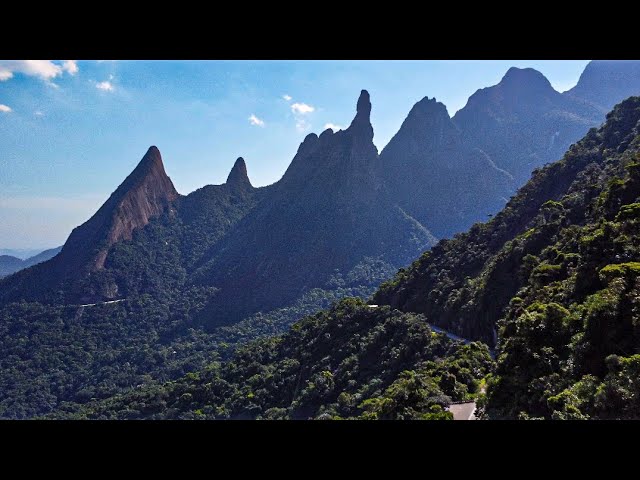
[(362, 121), (347, 153), (427, 112), (145, 193), (326, 134), (238, 176), (525, 78), (363, 107), (152, 157), (428, 124), (604, 83)]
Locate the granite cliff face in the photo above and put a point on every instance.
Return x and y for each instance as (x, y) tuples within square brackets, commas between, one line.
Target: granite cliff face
[(339, 203), (75, 273), (146, 193)]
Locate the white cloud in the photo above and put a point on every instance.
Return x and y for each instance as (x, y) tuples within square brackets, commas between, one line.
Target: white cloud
[(70, 66), (253, 120), (107, 86), (333, 126), (301, 108), (38, 113), (287, 97), (4, 108), (302, 125), (43, 69)]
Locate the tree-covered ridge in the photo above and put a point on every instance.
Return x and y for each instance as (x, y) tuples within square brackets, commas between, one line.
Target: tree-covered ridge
[(557, 273), (351, 361), (50, 355), (465, 283)]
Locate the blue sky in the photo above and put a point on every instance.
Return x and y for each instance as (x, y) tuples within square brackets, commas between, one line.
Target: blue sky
[(71, 131)]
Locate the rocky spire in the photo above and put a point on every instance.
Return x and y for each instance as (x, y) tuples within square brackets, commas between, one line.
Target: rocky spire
[(362, 120), (147, 192), (238, 177)]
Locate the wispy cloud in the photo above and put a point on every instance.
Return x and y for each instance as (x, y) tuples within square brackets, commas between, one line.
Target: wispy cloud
[(302, 125), (107, 86), (253, 120), (38, 113), (287, 97), (301, 108), (43, 69), (300, 111), (5, 108), (70, 66), (333, 126)]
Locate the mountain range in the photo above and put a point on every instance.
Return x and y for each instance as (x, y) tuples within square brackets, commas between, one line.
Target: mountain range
[(339, 203), (556, 273), (208, 267)]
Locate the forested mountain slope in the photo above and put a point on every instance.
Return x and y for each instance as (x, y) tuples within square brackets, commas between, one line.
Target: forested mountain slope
[(352, 361), (557, 272), (436, 178), (337, 224), (328, 214)]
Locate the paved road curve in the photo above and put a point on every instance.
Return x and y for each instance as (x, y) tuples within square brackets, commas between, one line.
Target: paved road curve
[(463, 411), (102, 303)]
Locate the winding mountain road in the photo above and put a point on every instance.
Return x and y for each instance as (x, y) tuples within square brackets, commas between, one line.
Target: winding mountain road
[(102, 303)]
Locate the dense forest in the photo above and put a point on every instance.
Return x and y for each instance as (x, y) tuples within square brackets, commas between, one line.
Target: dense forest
[(555, 277), (56, 354), (351, 361)]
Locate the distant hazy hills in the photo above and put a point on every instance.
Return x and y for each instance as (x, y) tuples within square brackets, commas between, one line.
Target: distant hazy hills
[(10, 264)]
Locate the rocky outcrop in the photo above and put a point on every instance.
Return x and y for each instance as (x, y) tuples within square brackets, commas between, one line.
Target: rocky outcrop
[(238, 177), (146, 193)]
